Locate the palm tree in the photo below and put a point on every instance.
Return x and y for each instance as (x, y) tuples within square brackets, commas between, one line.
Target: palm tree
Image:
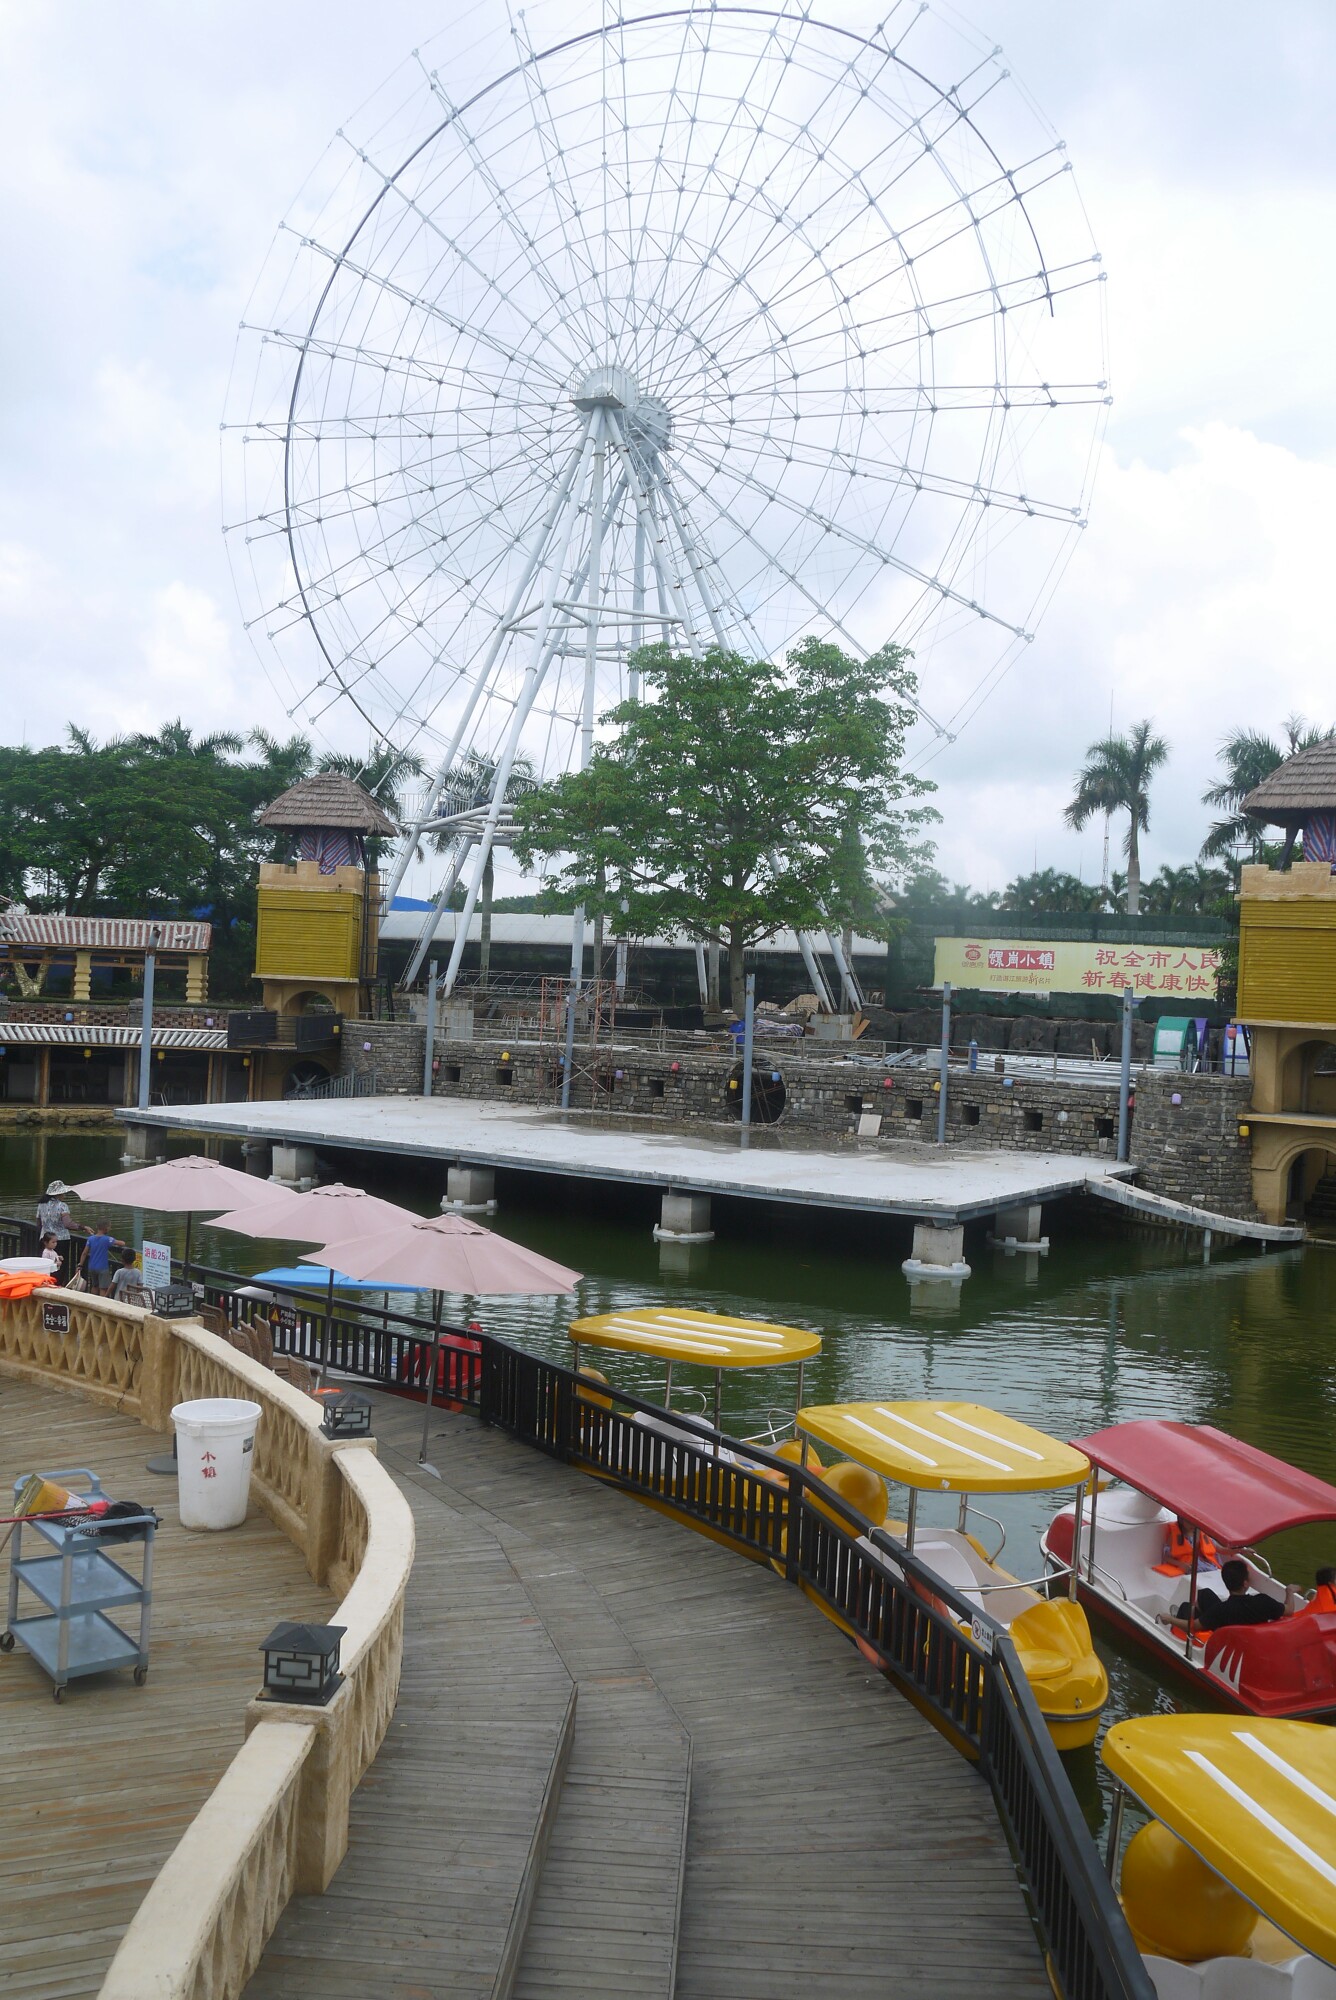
[(1248, 757), (1116, 777), (382, 772), (176, 739), (468, 786)]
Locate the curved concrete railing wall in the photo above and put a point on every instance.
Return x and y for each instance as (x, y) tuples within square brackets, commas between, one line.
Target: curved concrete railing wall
[(277, 1821)]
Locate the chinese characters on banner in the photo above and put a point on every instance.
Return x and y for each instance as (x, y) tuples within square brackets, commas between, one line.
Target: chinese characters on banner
[(1008, 965)]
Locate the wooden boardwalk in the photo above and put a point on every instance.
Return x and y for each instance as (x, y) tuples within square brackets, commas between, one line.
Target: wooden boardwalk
[(747, 1808), (95, 1792)]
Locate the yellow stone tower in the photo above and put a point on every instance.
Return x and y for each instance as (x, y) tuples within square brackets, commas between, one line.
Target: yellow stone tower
[(316, 918), (1287, 990)]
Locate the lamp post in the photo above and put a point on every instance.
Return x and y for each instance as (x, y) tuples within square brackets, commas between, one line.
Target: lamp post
[(1125, 1073), (146, 1025), (748, 1044), (429, 1049), (945, 1061)]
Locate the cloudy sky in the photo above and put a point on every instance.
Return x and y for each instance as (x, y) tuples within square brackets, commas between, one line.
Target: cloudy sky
[(147, 152)]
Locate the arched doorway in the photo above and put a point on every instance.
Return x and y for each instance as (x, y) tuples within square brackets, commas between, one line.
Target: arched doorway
[(769, 1095), (1310, 1195)]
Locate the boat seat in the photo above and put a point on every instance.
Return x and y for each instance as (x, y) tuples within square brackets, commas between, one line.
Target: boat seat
[(952, 1565)]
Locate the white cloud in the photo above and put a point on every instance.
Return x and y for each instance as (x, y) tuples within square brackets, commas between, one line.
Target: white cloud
[(1199, 598)]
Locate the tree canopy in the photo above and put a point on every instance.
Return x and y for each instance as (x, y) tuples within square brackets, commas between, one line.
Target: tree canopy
[(154, 825), (740, 798)]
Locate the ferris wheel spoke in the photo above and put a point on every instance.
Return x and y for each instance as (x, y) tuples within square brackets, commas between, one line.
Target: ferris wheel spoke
[(865, 547), (491, 181), (825, 614), (431, 309), (884, 58), (901, 474), (385, 361), (554, 155)]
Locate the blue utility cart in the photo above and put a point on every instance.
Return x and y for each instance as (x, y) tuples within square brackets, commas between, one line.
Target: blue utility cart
[(87, 1597)]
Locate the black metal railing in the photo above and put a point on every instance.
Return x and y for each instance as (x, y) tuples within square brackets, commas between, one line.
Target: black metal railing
[(959, 1666)]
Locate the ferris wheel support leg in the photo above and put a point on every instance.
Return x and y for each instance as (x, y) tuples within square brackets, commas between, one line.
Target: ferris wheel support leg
[(544, 646), (637, 609), (658, 541), (427, 937), (814, 973), (532, 564), (851, 986), (694, 562)]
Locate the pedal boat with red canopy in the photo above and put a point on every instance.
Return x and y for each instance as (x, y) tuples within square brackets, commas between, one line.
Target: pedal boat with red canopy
[(1231, 1495), (1230, 1888), (965, 1449)]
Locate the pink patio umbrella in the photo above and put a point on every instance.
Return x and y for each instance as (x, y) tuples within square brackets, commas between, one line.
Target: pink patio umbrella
[(191, 1186), (310, 1217), (446, 1253)]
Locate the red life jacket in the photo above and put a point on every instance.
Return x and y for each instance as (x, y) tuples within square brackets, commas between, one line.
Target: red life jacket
[(1323, 1599)]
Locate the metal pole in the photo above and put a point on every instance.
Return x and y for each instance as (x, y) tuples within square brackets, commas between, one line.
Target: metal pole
[(431, 1379), (798, 1396), (1077, 1514), (668, 1386), (946, 1053), (324, 1339), (569, 1062), (146, 1024), (429, 1051), (1094, 1511), (1192, 1593), (1125, 1074), (748, 1042), (1115, 1831), (912, 1519)]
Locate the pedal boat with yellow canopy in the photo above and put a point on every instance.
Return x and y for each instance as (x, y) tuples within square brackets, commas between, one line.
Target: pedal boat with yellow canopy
[(714, 1342), (965, 1449), (1230, 1888)]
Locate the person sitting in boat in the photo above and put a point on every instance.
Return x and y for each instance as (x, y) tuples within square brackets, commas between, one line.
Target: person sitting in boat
[(1178, 1548), (1243, 1606), (1324, 1595)]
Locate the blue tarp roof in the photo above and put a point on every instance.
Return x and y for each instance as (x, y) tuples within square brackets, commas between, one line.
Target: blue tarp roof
[(315, 1277)]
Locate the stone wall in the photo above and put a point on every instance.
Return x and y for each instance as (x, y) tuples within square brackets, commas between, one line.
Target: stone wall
[(1191, 1151)]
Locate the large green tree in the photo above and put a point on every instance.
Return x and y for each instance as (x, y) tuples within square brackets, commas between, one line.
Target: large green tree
[(1115, 778), (144, 825), (739, 798)]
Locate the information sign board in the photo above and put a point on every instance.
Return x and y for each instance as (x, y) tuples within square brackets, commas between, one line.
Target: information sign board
[(1034, 965)]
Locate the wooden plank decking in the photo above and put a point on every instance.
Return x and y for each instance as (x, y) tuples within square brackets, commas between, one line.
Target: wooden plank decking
[(730, 1747), (95, 1792)]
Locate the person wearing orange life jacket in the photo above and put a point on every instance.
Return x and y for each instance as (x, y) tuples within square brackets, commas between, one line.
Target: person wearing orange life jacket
[(1324, 1596), (1178, 1547)]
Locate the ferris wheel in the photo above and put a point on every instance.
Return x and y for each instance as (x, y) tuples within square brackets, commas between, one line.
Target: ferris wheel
[(718, 326)]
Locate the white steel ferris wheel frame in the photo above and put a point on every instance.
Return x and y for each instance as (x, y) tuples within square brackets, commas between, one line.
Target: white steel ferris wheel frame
[(695, 457)]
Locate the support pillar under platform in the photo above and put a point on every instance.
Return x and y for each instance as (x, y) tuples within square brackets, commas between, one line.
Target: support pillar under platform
[(143, 1144), (294, 1166), (939, 1251), (470, 1191), (684, 1218), (1020, 1228)]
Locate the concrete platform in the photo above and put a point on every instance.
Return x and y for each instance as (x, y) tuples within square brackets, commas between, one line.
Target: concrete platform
[(948, 1185)]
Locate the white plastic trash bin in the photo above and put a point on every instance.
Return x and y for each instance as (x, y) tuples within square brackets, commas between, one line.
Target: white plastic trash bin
[(215, 1449)]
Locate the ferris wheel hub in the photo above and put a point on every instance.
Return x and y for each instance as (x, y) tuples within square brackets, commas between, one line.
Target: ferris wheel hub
[(608, 388)]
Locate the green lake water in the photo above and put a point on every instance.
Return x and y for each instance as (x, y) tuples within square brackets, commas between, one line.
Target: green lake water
[(1102, 1329)]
